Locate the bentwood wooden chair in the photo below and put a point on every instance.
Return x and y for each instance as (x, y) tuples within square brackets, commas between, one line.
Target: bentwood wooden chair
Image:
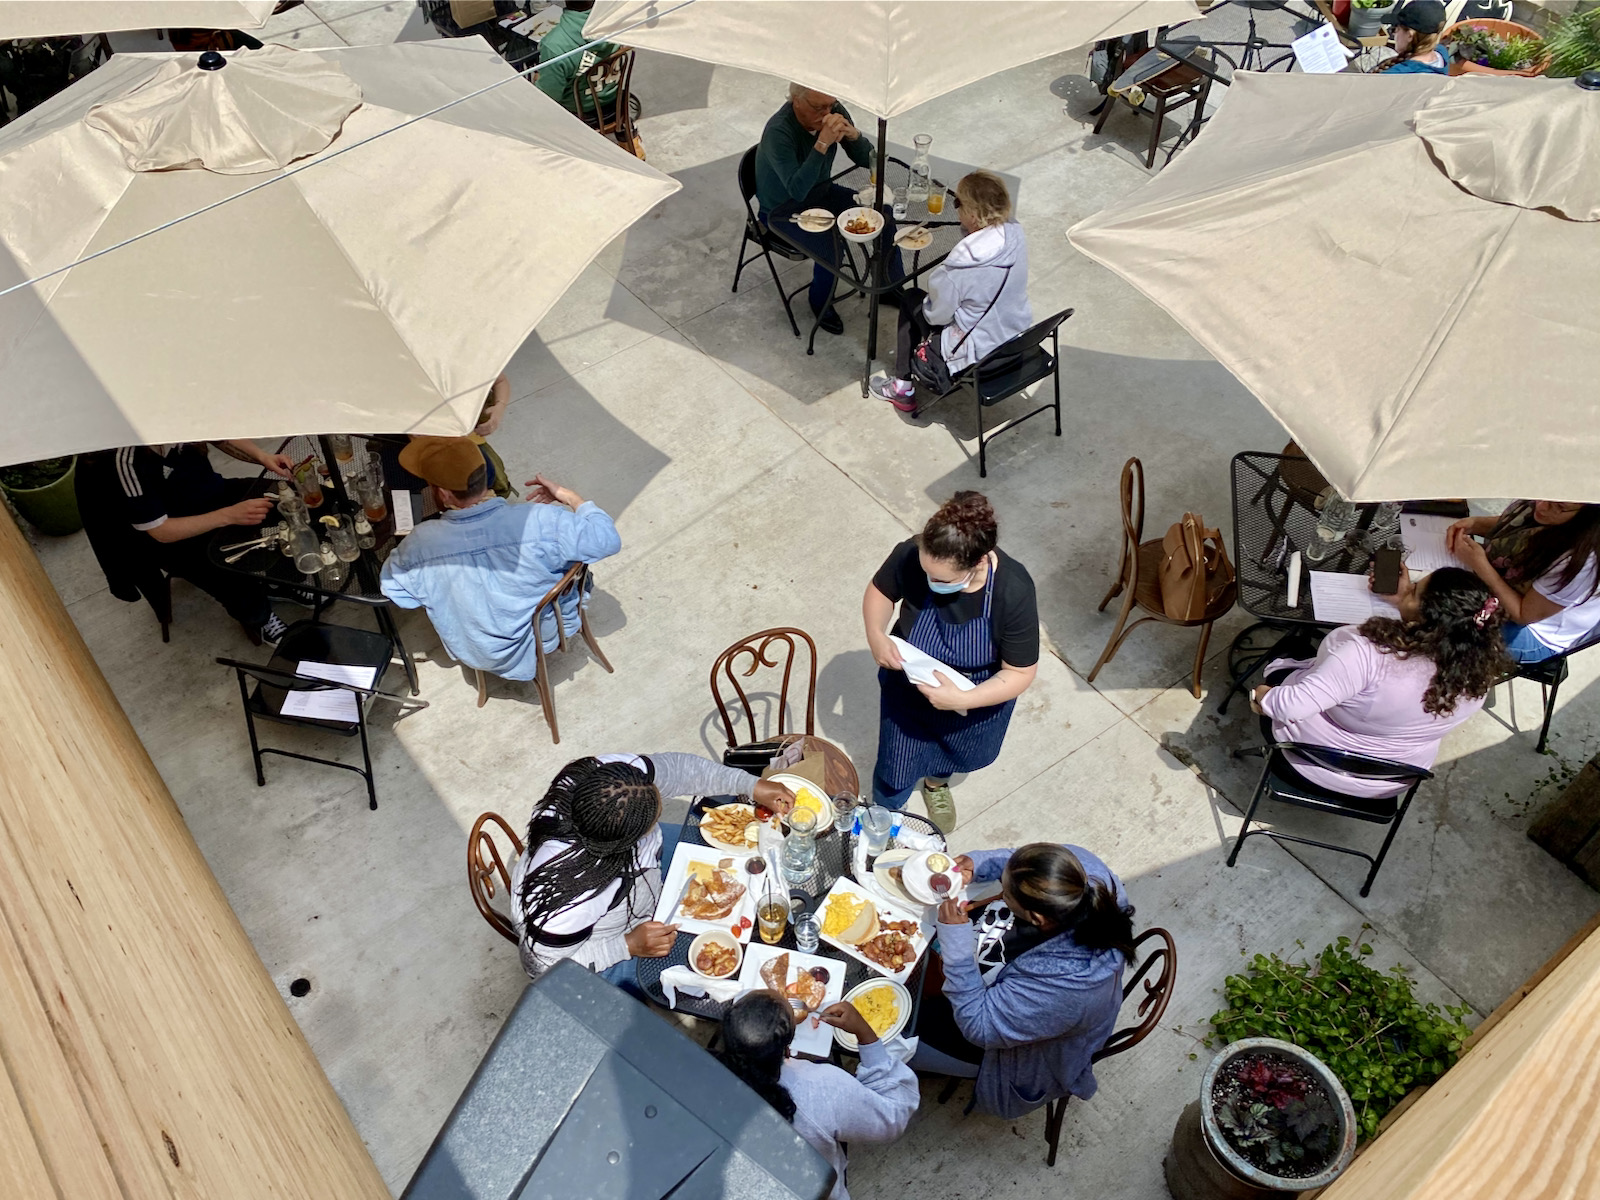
[(611, 118), (774, 649), (489, 870), (1158, 972), (574, 585), (1139, 581)]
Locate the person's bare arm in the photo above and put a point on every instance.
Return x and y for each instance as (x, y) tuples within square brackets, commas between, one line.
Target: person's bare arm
[(495, 410), (247, 451), (877, 610), (1006, 684), (246, 512), (1520, 608)]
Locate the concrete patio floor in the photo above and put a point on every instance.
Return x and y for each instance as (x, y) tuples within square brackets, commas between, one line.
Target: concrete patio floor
[(754, 487)]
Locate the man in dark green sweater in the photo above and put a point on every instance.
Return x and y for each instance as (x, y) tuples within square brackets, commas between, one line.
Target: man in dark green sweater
[(794, 169), (557, 79)]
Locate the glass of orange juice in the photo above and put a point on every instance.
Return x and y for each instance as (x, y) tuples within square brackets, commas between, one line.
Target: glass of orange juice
[(936, 201)]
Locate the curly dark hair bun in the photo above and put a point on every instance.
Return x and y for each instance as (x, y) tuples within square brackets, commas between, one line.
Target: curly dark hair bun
[(1458, 629), (962, 531)]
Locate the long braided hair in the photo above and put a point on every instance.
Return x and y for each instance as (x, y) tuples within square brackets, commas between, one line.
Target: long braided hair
[(601, 809), (1421, 43)]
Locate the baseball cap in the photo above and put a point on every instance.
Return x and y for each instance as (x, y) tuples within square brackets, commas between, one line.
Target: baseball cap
[(1425, 16), (446, 462)]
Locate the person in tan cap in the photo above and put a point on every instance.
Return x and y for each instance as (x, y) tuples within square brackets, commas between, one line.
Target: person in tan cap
[(482, 567)]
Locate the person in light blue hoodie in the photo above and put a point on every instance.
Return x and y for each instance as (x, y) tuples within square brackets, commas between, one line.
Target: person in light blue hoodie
[(976, 299), (1031, 991)]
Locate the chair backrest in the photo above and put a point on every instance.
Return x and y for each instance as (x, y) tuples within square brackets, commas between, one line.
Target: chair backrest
[(615, 70), (747, 179), (1131, 497), (768, 648), (1008, 354), (1158, 971), (1362, 766), (575, 580), (488, 869)]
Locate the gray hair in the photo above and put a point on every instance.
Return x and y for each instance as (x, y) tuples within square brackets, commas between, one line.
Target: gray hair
[(796, 90)]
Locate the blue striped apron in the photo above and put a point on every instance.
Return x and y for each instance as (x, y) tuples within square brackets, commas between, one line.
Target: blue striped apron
[(917, 741)]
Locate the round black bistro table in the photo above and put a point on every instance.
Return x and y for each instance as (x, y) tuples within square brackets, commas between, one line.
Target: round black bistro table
[(834, 855)]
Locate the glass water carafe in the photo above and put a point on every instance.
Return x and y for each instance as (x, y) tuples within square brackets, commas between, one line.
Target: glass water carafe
[(921, 171), (800, 847)]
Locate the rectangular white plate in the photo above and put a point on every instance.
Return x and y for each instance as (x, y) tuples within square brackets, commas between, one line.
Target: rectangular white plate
[(886, 911), (810, 1037), (677, 880)]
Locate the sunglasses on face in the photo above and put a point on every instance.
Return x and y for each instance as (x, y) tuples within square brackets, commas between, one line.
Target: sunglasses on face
[(956, 200)]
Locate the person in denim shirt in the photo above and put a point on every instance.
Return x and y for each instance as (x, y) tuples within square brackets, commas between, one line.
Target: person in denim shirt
[(482, 567)]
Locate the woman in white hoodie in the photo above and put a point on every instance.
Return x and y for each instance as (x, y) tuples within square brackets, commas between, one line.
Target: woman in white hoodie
[(976, 300)]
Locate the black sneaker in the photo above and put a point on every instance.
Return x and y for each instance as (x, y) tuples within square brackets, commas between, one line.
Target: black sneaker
[(273, 630), (831, 322)]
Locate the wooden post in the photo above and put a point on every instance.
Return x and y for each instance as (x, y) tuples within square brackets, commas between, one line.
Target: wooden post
[(144, 1051)]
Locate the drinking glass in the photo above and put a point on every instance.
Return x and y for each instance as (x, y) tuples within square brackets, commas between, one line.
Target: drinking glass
[(342, 450), (875, 823), (1385, 525), (800, 847), (807, 933), (343, 541), (310, 484), (374, 469), (772, 914), (293, 510), (332, 571), (844, 807), (307, 551), (936, 196), (372, 501)]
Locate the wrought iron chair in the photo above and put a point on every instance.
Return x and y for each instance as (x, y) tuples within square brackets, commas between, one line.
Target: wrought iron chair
[(1162, 960), (311, 641), (1139, 581), (766, 245), (1008, 369), (574, 583), (489, 869), (769, 648), (1280, 782)]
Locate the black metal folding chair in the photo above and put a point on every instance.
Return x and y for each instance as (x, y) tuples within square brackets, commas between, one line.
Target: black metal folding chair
[(766, 245), (1008, 369), (1279, 781), (1550, 674), (276, 680)]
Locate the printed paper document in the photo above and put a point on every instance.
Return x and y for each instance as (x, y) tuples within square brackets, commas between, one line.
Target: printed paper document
[(335, 704)]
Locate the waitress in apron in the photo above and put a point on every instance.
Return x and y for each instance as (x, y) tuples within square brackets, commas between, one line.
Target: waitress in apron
[(972, 606)]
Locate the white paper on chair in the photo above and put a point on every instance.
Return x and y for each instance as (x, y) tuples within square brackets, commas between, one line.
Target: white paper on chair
[(1424, 536), (335, 704), (1338, 598), (919, 667), (1320, 52)]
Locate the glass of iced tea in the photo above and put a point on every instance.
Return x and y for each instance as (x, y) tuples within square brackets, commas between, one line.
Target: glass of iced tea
[(772, 914), (372, 501)]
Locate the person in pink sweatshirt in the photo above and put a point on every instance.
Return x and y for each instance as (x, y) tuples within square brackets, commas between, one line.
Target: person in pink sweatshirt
[(1389, 689)]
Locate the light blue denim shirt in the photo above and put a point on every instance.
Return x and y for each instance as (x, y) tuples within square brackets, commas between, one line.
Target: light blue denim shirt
[(479, 572)]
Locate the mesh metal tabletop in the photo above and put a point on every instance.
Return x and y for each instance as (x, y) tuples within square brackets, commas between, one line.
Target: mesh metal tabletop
[(834, 854)]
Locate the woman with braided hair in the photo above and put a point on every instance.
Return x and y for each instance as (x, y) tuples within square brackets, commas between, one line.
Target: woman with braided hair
[(970, 605), (1031, 985), (587, 884), (1417, 26), (1389, 688)]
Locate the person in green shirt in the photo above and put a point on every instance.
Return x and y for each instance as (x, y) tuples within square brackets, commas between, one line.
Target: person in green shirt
[(794, 170), (559, 79)]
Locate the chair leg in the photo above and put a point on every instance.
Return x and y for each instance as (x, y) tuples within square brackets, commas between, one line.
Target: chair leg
[(738, 269), (482, 681), (1054, 1112), (1394, 828), (949, 1089), (1249, 813), (983, 461), (1117, 631), (547, 698), (1200, 658), (366, 759), (1105, 113), (1155, 132), (164, 613), (250, 725), (1057, 374), (1549, 709), (594, 646), (782, 295)]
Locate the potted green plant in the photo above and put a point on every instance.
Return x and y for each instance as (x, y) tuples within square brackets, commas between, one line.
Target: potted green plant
[(44, 493), (1487, 47), (1271, 1116), (1367, 17)]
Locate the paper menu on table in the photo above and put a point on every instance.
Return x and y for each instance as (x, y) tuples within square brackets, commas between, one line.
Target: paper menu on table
[(1320, 52), (919, 667), (1424, 537), (334, 704), (1338, 598)]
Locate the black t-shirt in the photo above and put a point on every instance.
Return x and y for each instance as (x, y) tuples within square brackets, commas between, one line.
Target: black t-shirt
[(158, 482), (1014, 611)]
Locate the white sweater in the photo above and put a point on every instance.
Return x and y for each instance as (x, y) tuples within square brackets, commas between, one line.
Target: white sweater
[(961, 289), (832, 1106)]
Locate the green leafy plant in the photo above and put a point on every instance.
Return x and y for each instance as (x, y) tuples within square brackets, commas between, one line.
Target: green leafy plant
[(1366, 1025), (1275, 1115), (1477, 44), (1371, 3), (1574, 45)]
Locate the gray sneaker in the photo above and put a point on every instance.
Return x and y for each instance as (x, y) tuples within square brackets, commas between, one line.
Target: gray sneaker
[(941, 805)]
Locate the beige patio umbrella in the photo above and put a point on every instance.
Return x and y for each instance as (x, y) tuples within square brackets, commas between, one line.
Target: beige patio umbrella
[(63, 18), (381, 289), (884, 56), (1404, 270)]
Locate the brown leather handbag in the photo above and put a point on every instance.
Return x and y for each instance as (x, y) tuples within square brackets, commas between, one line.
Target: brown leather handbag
[(1194, 567)]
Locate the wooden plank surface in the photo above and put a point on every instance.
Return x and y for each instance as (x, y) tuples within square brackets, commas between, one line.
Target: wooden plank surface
[(1518, 1116), (145, 1050)]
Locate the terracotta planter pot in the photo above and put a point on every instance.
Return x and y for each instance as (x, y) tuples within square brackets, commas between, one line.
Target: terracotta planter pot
[(1500, 29)]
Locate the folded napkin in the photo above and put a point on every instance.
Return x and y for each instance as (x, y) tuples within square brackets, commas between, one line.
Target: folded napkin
[(912, 840), (692, 983)]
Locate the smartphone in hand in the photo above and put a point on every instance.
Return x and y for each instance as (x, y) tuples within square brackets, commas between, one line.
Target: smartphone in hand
[(1386, 571)]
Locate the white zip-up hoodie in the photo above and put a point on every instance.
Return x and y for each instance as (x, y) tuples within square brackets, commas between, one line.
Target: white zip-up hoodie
[(965, 284)]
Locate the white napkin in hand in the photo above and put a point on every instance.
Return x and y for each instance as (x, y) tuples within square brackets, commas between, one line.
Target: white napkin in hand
[(912, 840), (692, 983)]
